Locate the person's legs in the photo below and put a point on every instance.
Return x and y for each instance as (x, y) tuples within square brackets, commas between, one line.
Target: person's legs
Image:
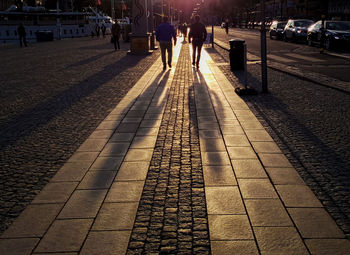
[(24, 41), (194, 48), (117, 41), (170, 53), (199, 47), (20, 40), (162, 51), (114, 40)]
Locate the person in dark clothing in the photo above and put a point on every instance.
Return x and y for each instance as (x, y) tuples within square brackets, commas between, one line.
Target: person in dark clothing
[(184, 31), (226, 27), (22, 35), (97, 30), (164, 35), (103, 29), (116, 29), (197, 36)]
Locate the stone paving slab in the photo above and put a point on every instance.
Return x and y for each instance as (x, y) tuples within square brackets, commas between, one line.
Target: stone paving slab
[(255, 203)]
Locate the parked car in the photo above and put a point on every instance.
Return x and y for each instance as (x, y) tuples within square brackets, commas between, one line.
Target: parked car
[(296, 29), (276, 29), (337, 34)]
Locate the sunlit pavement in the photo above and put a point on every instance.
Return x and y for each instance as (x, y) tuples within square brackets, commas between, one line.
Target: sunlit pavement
[(255, 202)]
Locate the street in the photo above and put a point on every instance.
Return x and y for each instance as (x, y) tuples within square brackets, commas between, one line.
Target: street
[(298, 55)]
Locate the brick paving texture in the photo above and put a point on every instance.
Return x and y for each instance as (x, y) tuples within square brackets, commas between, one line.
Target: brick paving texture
[(171, 217), (310, 124), (53, 95)]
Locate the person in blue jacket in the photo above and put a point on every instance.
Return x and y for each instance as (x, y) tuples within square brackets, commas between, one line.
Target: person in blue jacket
[(165, 32)]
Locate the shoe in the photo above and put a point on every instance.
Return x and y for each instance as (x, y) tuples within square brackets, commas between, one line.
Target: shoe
[(169, 65), (193, 63)]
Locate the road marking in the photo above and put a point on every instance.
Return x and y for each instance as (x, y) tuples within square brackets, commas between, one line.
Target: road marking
[(281, 59), (293, 55)]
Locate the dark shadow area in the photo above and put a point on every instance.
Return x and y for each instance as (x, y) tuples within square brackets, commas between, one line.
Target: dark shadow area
[(28, 121), (35, 144), (89, 60), (204, 89), (105, 46), (160, 82)]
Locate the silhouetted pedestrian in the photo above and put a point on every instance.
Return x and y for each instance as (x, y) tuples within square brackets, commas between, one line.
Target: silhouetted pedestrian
[(115, 35), (97, 30), (103, 29), (22, 35), (197, 35), (226, 26), (164, 33), (184, 31)]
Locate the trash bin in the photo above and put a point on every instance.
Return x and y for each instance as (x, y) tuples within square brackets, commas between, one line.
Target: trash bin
[(44, 36), (237, 54)]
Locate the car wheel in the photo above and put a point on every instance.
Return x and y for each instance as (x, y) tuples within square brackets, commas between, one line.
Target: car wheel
[(294, 38), (285, 38), (327, 44)]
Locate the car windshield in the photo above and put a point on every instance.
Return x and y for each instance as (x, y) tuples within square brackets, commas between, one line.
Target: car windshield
[(281, 25), (303, 23), (338, 26)]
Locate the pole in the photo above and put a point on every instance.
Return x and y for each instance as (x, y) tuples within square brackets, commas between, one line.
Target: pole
[(122, 11), (162, 8), (212, 33), (263, 49), (170, 17), (113, 12), (58, 22), (322, 41), (245, 67)]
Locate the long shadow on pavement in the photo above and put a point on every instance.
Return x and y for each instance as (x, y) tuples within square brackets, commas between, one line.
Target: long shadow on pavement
[(52, 107)]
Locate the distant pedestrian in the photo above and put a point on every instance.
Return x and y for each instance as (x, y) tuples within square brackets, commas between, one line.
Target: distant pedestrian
[(184, 31), (115, 35), (198, 35), (164, 33), (180, 29), (103, 29), (226, 26), (97, 30), (22, 35)]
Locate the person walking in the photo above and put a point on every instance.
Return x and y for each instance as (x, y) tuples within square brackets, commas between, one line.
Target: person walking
[(22, 35), (115, 35), (164, 33), (184, 31), (103, 29), (197, 36), (226, 26), (97, 30)]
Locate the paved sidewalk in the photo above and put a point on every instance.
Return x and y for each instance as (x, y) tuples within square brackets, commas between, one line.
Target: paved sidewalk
[(180, 166)]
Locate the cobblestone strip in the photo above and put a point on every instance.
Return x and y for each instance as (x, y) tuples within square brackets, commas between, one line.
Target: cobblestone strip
[(172, 213), (76, 210), (284, 214)]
